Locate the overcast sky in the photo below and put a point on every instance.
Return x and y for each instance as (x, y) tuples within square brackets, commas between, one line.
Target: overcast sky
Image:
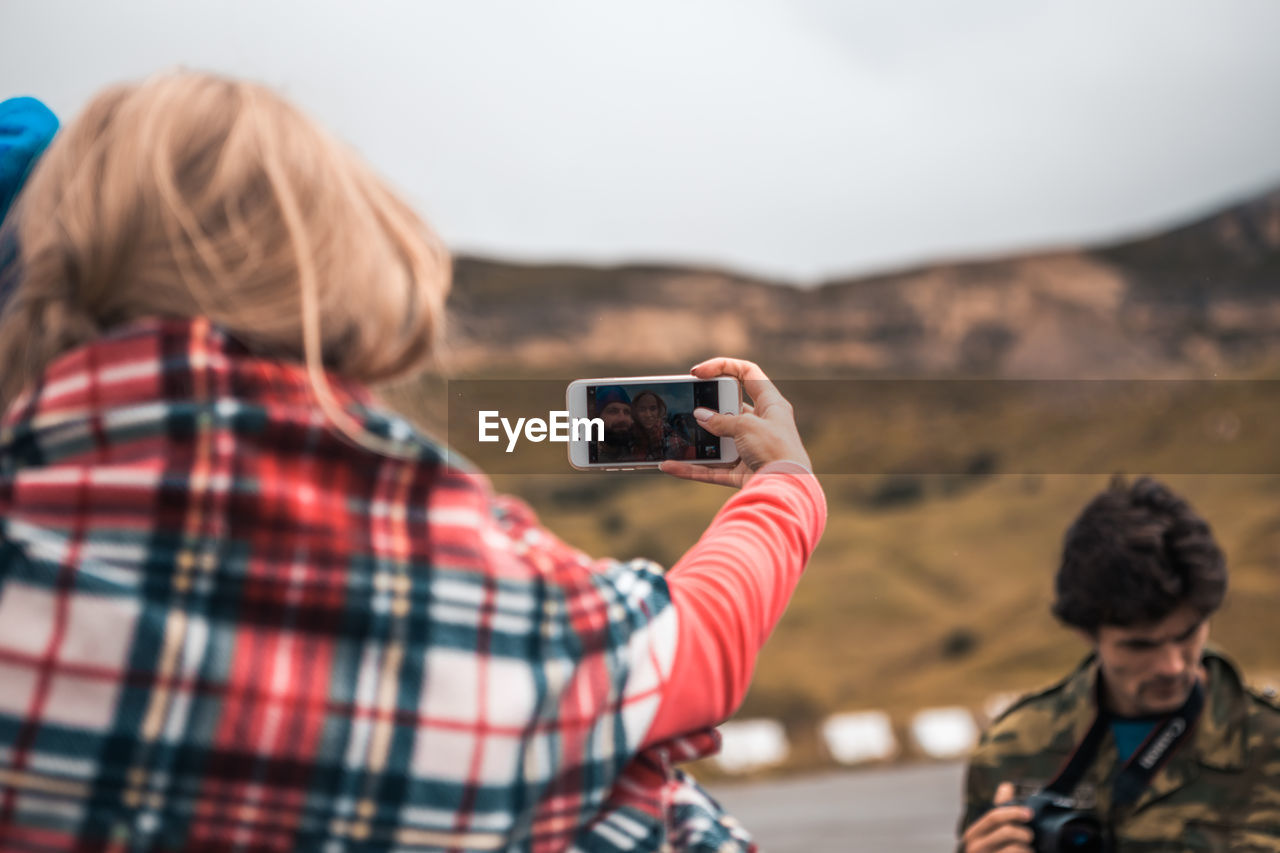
[(797, 138)]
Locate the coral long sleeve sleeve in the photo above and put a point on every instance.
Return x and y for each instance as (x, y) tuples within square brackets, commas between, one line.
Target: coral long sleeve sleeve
[(729, 591)]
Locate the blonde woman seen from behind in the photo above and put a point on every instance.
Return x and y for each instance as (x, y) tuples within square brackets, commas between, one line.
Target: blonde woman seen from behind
[(243, 606)]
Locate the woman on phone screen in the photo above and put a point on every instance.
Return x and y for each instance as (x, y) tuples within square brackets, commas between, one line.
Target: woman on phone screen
[(657, 438)]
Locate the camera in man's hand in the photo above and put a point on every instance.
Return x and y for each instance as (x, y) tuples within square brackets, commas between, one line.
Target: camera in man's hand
[(1060, 827)]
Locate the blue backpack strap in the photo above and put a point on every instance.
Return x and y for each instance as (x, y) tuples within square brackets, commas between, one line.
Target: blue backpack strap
[(26, 128)]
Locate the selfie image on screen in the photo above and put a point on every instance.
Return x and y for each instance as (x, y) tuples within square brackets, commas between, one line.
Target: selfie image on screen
[(649, 423)]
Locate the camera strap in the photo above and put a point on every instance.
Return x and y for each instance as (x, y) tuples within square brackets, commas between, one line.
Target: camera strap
[(1137, 772)]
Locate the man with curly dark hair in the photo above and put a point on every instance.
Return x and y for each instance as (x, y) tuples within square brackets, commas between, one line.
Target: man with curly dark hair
[(1154, 739)]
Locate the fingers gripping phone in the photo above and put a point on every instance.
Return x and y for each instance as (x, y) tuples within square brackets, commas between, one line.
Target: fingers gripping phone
[(634, 422)]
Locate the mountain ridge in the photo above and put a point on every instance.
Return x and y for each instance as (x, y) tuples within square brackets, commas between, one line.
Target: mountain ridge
[(1197, 300)]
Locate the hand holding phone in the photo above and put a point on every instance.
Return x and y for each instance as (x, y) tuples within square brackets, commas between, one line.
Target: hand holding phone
[(764, 432)]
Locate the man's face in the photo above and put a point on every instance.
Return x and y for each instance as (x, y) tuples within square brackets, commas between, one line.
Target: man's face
[(616, 417), (1150, 669)]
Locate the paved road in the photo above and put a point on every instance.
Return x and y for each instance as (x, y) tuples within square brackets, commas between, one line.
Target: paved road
[(894, 810)]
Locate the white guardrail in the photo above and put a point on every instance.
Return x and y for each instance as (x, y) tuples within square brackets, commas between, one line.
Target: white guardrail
[(862, 737), (747, 745), (944, 732), (857, 738)]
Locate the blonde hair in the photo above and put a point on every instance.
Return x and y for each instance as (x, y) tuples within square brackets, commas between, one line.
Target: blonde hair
[(194, 195)]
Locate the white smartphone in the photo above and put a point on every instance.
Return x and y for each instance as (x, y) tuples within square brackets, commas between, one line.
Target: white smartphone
[(628, 423)]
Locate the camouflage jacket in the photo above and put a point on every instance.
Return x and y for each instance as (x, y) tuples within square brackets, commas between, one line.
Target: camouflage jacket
[(1220, 791)]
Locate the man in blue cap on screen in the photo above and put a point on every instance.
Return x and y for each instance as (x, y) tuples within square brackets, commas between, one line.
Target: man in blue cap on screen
[(613, 406)]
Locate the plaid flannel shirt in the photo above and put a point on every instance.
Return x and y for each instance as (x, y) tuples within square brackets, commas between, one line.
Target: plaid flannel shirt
[(224, 627)]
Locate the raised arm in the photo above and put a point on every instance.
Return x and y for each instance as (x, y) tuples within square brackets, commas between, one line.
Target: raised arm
[(731, 588)]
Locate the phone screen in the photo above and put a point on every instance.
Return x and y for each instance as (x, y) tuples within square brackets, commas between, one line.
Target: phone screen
[(652, 422)]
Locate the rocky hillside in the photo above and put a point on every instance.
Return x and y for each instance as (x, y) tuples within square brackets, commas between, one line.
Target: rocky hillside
[(1199, 300)]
